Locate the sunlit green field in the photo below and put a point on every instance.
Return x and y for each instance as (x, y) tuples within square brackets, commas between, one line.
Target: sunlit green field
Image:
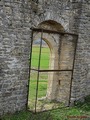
[(44, 61), (43, 77)]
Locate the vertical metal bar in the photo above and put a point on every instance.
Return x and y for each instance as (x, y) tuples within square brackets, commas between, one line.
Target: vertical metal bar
[(38, 71), (30, 58), (73, 70)]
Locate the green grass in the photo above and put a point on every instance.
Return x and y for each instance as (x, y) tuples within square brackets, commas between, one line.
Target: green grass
[(79, 110), (41, 88), (43, 77), (45, 53)]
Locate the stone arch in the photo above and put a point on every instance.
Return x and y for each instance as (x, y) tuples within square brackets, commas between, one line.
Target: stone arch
[(51, 25), (53, 46), (52, 41), (47, 38), (57, 21)]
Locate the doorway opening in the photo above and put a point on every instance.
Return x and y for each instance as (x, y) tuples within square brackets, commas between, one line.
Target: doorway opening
[(51, 69), (38, 80)]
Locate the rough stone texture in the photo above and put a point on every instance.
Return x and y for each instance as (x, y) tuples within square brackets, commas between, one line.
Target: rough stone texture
[(14, 55), (16, 19)]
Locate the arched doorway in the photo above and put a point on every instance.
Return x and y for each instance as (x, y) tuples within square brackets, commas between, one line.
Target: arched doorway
[(60, 71), (38, 78)]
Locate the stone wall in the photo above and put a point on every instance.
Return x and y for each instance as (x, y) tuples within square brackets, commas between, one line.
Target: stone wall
[(14, 54), (81, 78), (16, 19)]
